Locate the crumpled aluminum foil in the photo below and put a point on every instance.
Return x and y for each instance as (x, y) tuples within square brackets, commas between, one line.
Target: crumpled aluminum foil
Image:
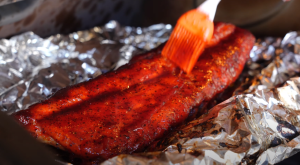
[(114, 42), (32, 68), (273, 62), (259, 125), (260, 128)]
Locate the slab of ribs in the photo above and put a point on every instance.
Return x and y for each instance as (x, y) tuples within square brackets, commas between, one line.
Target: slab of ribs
[(124, 111)]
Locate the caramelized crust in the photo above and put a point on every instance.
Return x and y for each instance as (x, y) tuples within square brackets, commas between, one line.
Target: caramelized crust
[(126, 110)]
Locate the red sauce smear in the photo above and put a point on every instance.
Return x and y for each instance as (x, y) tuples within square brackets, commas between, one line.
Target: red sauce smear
[(126, 110)]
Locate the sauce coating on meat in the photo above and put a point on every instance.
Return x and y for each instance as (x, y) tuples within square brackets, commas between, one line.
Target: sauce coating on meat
[(126, 110)]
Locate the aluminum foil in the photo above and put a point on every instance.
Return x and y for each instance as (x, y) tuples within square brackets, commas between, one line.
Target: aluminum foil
[(33, 68), (260, 128), (273, 62), (114, 42), (259, 125)]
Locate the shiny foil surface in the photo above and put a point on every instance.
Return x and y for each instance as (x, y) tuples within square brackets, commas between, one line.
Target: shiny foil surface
[(32, 68), (258, 125)]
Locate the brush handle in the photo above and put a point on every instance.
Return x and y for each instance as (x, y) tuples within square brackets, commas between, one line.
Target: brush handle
[(209, 7)]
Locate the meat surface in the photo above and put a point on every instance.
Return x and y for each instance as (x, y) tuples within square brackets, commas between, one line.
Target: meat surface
[(126, 110)]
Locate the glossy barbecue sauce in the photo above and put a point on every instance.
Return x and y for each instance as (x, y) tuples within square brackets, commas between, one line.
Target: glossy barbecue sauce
[(126, 110)]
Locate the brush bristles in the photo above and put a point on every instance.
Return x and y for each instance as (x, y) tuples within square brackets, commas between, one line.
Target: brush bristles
[(183, 48)]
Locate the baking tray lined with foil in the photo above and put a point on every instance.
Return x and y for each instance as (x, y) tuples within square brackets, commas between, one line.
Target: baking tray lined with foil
[(258, 125)]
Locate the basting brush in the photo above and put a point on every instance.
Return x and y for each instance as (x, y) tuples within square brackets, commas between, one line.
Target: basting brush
[(193, 31)]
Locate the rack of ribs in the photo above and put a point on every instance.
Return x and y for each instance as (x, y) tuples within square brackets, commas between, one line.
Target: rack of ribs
[(124, 111)]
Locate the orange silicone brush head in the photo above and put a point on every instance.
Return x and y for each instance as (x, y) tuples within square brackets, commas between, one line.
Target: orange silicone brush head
[(192, 32), (188, 39)]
